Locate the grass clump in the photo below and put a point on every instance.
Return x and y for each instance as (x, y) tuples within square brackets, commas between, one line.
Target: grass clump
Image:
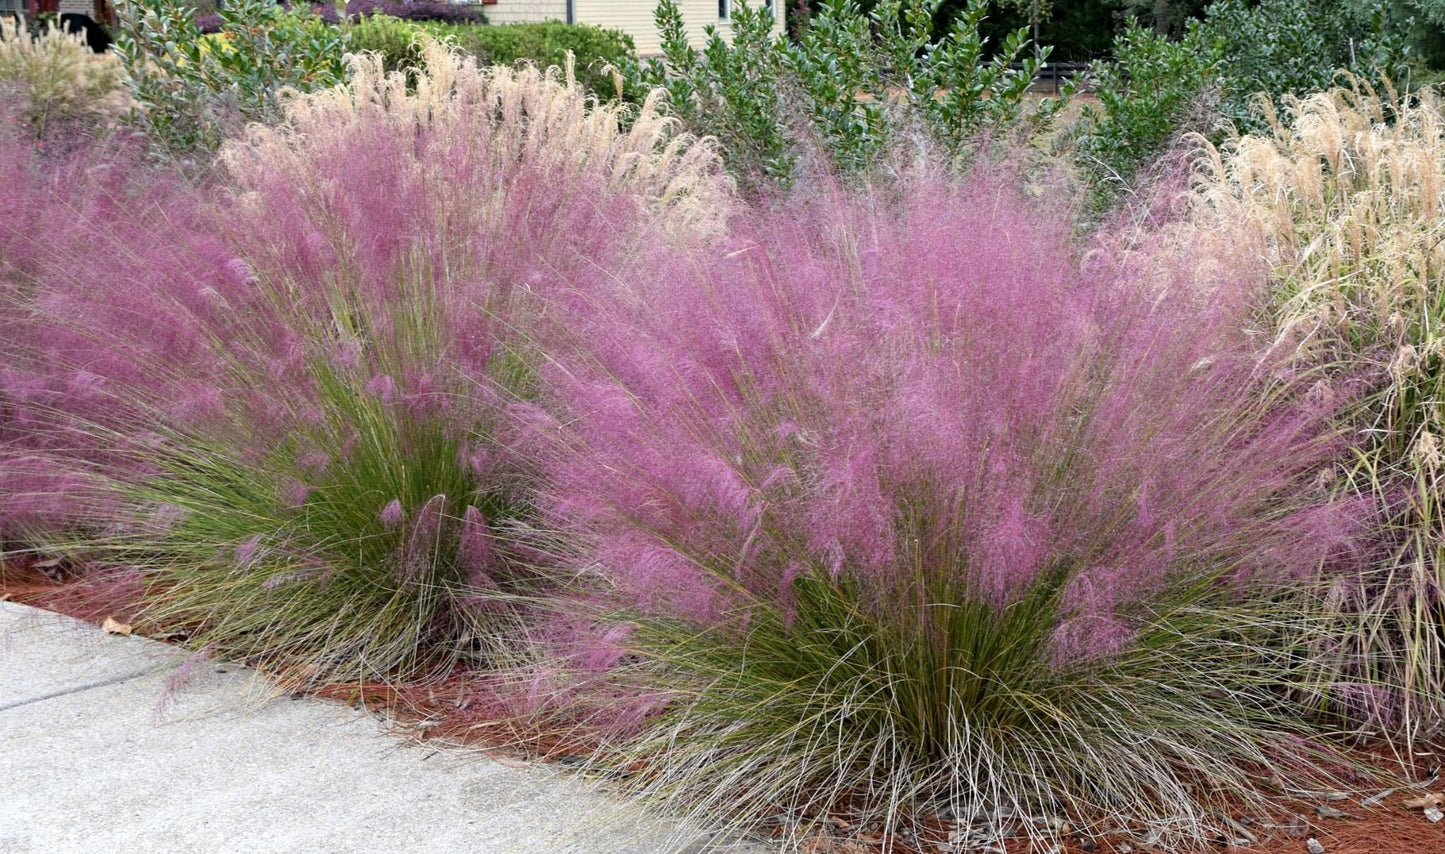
[(338, 538), (286, 410), (908, 507), (1345, 188), (61, 86)]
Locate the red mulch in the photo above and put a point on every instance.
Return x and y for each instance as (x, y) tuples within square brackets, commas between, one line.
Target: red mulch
[(449, 711), (54, 585)]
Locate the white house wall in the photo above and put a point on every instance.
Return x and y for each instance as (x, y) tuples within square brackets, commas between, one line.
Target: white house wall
[(525, 11), (630, 16)]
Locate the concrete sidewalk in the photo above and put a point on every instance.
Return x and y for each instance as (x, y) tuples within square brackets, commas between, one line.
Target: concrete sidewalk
[(91, 760)]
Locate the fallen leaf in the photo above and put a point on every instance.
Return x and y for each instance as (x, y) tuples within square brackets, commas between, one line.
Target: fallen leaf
[(46, 564), (112, 626), (1314, 846), (1434, 814), (1434, 799), (1327, 811), (1372, 800)]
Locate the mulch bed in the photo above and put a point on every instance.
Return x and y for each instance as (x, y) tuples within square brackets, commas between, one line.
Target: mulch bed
[(448, 711)]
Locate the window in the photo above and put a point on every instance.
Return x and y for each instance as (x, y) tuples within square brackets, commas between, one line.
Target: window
[(725, 9)]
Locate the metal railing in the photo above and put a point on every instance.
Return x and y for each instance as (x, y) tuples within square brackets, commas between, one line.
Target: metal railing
[(1053, 75)]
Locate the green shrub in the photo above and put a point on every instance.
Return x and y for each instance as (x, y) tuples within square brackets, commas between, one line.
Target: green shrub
[(861, 83), (1155, 89), (193, 90), (392, 39), (731, 91), (544, 44), (547, 44), (1295, 47), (1144, 95)]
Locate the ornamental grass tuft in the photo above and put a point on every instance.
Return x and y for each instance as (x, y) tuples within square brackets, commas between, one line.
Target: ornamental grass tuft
[(60, 85), (909, 506), (285, 408), (1344, 190)]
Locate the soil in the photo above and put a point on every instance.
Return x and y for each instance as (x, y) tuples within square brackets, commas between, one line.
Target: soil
[(449, 711)]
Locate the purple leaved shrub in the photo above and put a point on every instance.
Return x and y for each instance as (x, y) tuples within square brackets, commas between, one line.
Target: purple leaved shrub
[(915, 503), (412, 10)]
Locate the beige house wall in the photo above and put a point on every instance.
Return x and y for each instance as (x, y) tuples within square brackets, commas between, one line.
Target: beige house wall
[(525, 11), (631, 16)]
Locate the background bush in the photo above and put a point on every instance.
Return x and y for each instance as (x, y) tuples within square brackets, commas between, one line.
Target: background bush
[(545, 44), (1147, 96), (191, 91), (855, 84), (403, 10), (409, 10), (1155, 88)]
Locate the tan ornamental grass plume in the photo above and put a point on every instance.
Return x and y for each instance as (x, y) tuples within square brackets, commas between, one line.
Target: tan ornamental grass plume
[(1344, 193), (540, 121), (57, 80)]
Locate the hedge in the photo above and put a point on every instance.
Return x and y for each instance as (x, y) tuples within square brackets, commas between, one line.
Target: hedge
[(545, 44)]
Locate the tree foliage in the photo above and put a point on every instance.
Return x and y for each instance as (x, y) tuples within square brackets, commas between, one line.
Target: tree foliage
[(854, 82)]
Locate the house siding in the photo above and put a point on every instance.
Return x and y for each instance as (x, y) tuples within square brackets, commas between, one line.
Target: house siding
[(525, 11), (633, 17)]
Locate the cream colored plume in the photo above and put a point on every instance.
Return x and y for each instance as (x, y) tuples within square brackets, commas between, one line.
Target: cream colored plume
[(520, 117)]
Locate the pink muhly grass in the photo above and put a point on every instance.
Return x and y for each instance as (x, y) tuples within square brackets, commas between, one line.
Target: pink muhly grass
[(392, 514), (338, 325), (112, 234), (888, 480), (475, 550), (945, 386)]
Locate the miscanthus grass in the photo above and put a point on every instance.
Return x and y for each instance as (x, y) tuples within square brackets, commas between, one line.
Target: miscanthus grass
[(910, 507), (1345, 189)]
